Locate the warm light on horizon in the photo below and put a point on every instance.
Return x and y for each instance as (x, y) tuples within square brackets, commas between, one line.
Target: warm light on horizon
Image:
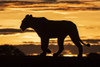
[(64, 55)]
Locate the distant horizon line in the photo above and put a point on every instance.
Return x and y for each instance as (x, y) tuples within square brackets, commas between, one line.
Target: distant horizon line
[(46, 1)]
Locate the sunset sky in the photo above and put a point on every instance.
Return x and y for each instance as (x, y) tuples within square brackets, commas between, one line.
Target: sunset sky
[(86, 15), (48, 0)]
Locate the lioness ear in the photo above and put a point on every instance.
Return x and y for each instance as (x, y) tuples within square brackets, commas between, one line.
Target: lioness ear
[(30, 15), (27, 15)]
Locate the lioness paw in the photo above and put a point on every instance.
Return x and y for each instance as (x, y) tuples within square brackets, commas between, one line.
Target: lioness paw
[(55, 54), (43, 54), (48, 51)]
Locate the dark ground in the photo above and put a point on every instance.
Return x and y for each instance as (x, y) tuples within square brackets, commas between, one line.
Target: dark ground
[(37, 61)]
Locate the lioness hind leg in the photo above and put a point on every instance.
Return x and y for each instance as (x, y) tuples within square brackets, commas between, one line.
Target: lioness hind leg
[(61, 47), (80, 48), (78, 44)]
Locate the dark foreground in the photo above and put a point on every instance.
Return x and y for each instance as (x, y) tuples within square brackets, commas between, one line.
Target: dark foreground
[(34, 61)]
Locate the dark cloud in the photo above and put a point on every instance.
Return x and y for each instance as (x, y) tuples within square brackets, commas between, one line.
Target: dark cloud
[(2, 4), (72, 2), (28, 3), (49, 0), (93, 41), (31, 42), (83, 8), (12, 31), (2, 9), (0, 25), (68, 8)]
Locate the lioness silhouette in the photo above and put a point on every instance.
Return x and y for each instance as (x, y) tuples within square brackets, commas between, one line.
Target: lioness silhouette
[(47, 29)]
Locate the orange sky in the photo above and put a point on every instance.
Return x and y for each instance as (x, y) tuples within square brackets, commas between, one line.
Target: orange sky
[(85, 15), (85, 18)]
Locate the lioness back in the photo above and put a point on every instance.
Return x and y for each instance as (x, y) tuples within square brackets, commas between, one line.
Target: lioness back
[(57, 28), (58, 25)]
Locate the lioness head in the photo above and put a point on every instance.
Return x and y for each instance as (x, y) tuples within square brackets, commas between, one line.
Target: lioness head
[(26, 22)]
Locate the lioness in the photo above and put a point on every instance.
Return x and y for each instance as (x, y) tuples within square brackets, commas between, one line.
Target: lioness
[(47, 29)]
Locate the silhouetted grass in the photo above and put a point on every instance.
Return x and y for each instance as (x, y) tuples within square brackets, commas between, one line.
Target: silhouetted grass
[(49, 61)]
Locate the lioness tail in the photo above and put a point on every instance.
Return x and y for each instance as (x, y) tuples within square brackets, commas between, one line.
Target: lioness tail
[(88, 45)]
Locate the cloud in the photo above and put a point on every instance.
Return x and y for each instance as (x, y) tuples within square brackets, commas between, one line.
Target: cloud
[(12, 31), (31, 42), (49, 0), (2, 9), (88, 27), (73, 2), (68, 8), (0, 25), (19, 4), (93, 40)]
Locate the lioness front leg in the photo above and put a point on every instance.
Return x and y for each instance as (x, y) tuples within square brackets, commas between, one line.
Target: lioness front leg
[(61, 47), (44, 46)]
